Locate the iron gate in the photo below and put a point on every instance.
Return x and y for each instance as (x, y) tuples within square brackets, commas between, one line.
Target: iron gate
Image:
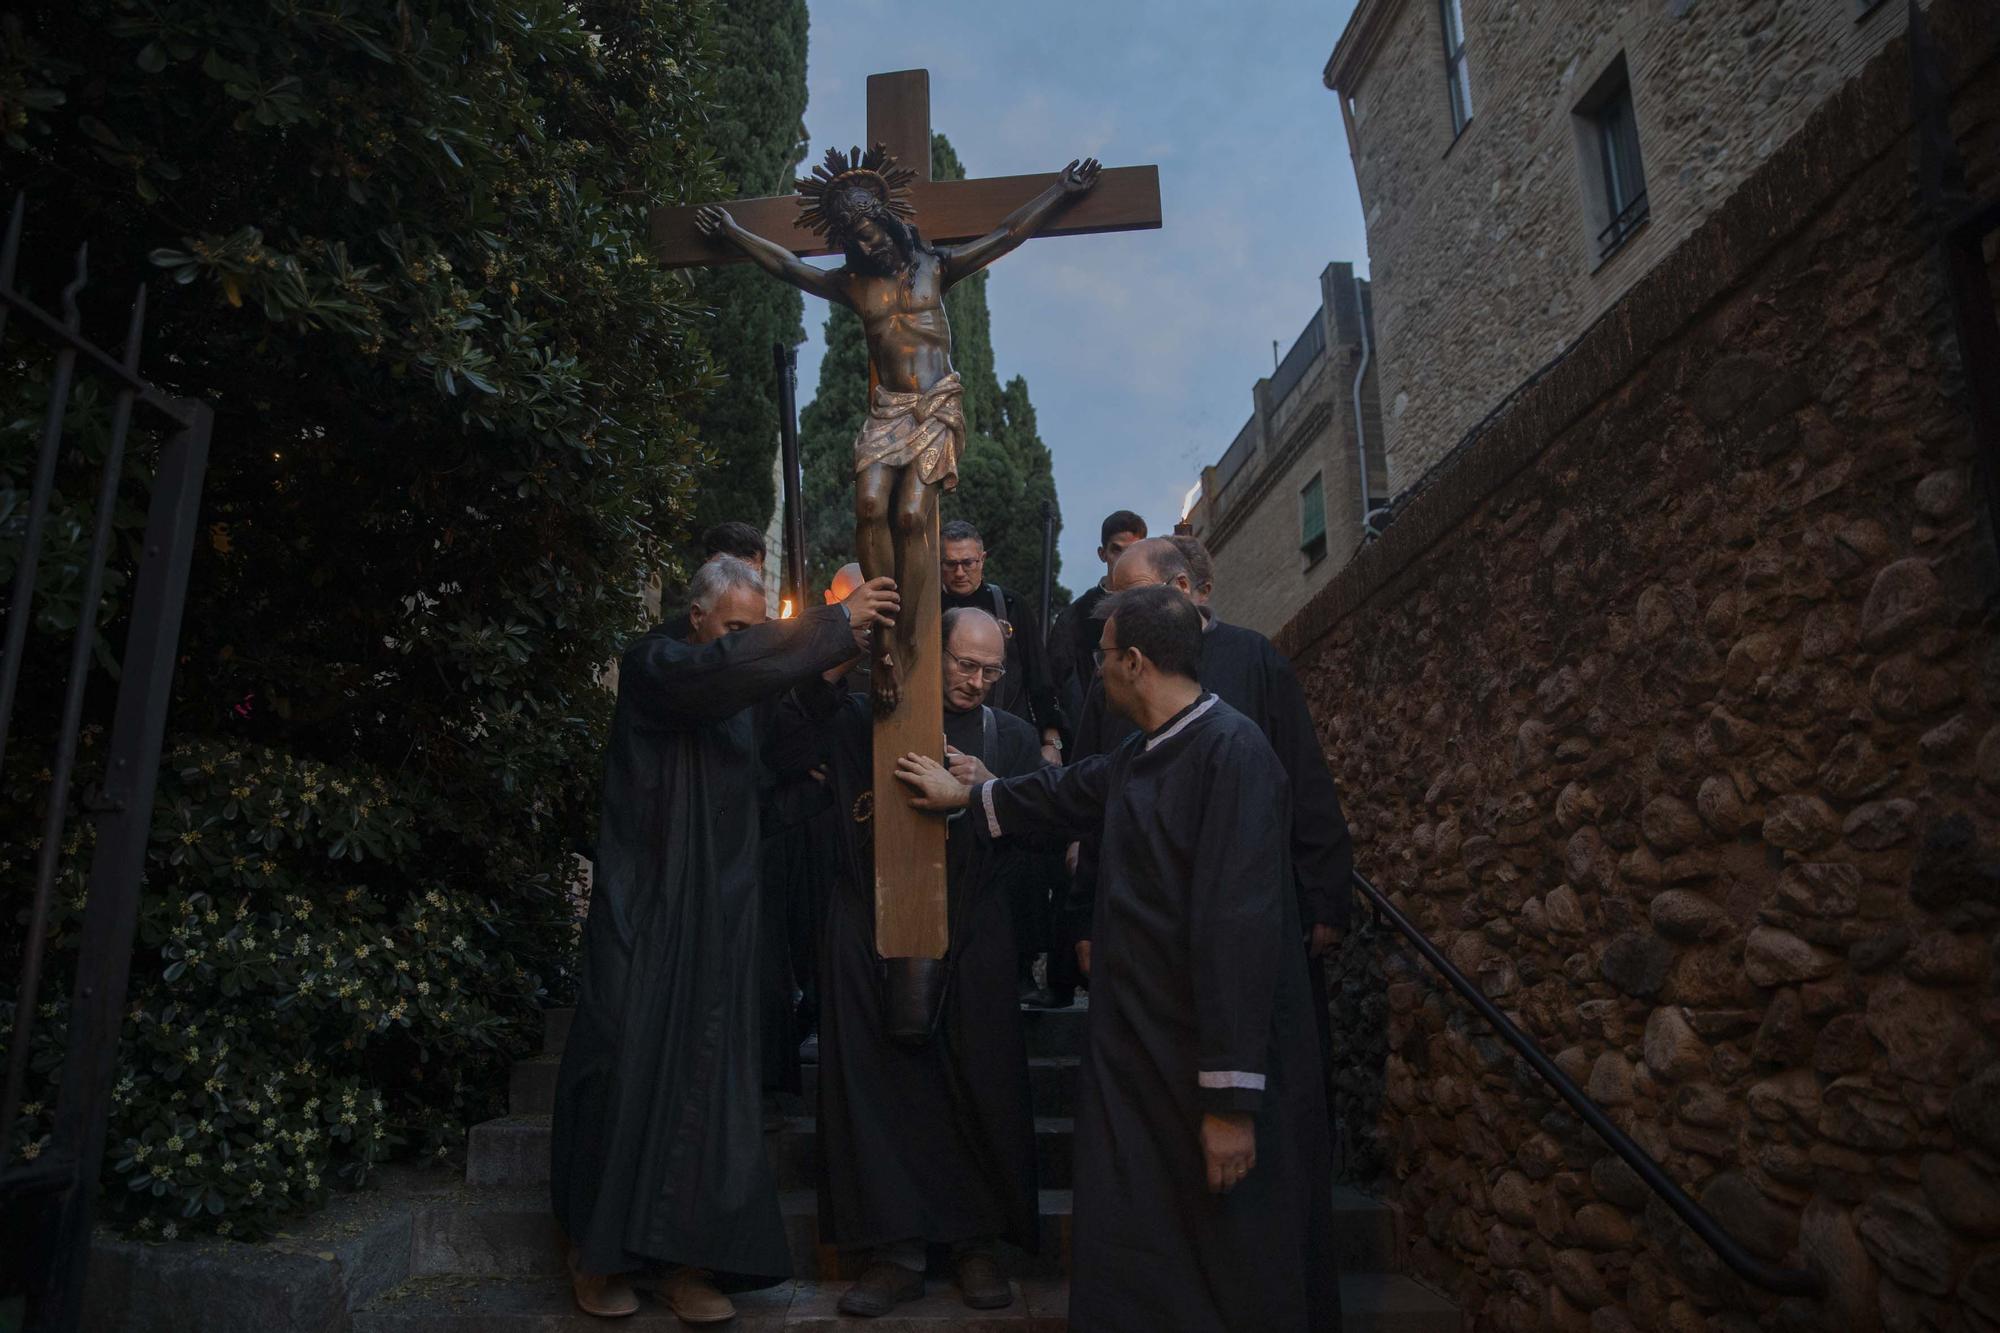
[(50, 1197)]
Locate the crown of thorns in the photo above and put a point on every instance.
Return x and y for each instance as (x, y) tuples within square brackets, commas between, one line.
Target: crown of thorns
[(874, 172)]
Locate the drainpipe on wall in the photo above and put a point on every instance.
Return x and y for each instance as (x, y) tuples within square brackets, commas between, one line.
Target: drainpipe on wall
[(1360, 427)]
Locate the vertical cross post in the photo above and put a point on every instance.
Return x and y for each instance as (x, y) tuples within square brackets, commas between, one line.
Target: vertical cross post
[(910, 915)]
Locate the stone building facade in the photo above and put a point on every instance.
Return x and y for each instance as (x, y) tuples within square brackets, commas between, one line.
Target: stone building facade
[(1488, 246), (1670, 709), (1282, 508)]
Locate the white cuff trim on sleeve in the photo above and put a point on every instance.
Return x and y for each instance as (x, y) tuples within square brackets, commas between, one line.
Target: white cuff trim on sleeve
[(992, 819), (1231, 1078)]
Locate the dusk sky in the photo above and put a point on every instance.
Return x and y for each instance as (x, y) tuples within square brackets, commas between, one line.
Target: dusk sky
[(1140, 348)]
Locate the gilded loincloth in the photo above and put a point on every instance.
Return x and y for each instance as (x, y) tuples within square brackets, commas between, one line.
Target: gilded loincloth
[(926, 428)]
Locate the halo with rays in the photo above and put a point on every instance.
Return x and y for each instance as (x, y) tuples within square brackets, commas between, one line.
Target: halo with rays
[(875, 171)]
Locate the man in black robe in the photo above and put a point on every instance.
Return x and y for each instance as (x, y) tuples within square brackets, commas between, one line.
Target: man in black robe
[(1248, 673), (1073, 638), (1039, 883), (657, 1152), (933, 1145), (1201, 1136)]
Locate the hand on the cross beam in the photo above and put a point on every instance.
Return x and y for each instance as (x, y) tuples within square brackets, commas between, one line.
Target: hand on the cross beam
[(937, 790), (1078, 177), (712, 221)]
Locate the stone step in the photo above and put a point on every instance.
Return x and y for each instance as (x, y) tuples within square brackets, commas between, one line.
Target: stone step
[(1370, 1303), (555, 1029), (525, 1305), (1055, 1031), (514, 1150), (471, 1232)]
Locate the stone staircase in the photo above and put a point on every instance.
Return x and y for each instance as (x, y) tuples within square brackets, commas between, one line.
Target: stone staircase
[(484, 1259)]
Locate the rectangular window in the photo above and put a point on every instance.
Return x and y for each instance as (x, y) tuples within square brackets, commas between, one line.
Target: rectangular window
[(1312, 519), (1624, 178), (1458, 80)]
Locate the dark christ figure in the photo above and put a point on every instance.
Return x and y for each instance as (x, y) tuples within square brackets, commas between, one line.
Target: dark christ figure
[(908, 448)]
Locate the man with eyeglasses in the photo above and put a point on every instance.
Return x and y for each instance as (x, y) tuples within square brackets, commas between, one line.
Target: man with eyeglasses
[(1201, 1132), (932, 1145), (1040, 882)]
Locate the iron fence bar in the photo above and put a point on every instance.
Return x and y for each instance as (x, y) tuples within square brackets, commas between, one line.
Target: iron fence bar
[(10, 250), (97, 1004), (1769, 1276), (81, 646), (20, 604)]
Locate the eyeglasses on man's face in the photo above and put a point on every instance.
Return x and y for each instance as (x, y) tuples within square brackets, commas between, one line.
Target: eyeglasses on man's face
[(970, 562), (989, 674)]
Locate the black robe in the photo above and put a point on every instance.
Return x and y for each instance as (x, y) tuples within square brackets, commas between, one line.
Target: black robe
[(1247, 672), (1072, 649), (1198, 1003), (658, 1145), (937, 1143)]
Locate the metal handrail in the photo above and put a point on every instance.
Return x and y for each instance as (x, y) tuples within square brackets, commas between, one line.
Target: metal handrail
[(1769, 1276)]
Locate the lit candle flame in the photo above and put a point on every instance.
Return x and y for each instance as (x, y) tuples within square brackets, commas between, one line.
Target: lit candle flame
[(785, 609)]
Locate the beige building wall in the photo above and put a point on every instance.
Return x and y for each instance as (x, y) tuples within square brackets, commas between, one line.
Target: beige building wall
[(1251, 523), (1483, 249)]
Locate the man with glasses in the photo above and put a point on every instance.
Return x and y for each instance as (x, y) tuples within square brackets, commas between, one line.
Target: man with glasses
[(932, 1145), (1040, 882), (1201, 1134)]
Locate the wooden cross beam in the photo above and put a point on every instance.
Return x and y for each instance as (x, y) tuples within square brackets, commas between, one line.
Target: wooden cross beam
[(910, 911), (899, 117)]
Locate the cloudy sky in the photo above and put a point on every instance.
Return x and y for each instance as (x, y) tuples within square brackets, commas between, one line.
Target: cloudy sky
[(1139, 348)]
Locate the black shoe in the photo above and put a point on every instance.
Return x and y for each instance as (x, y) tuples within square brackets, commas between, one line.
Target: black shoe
[(809, 1050), (980, 1282), (880, 1289)]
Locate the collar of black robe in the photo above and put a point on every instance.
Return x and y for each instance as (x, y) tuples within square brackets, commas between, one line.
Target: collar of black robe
[(1173, 725)]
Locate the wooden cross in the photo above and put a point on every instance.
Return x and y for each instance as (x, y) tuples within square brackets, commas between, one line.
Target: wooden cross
[(910, 913)]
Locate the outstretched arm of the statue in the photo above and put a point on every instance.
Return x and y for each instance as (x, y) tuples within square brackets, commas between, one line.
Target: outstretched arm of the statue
[(962, 261), (716, 224)]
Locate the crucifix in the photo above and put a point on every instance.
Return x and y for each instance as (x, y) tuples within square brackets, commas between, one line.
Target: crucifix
[(869, 206)]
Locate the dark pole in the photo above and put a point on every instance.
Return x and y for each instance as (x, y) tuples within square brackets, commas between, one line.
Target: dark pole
[(1048, 560), (786, 360)]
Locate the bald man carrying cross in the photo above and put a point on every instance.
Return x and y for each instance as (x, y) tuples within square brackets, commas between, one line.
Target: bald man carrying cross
[(866, 206)]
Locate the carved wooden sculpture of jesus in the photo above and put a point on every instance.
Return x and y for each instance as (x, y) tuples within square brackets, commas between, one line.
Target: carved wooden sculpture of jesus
[(908, 448)]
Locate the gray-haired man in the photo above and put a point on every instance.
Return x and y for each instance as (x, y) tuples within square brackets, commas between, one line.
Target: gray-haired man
[(658, 1154)]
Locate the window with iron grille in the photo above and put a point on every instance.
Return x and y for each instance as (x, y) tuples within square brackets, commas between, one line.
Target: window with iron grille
[(1458, 79), (1312, 519), (1623, 175)]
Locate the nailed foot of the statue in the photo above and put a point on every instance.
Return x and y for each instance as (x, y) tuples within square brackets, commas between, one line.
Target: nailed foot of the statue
[(885, 683)]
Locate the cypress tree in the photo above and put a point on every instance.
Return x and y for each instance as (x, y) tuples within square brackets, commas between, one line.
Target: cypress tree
[(757, 132)]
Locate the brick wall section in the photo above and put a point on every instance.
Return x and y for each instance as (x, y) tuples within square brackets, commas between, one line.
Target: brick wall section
[(1482, 253), (1671, 710)]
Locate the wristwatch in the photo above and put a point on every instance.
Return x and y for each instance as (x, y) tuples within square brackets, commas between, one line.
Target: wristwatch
[(1055, 741)]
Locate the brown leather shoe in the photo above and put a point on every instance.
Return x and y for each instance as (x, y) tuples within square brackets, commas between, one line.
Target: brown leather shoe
[(980, 1281), (606, 1295), (690, 1294), (881, 1287)]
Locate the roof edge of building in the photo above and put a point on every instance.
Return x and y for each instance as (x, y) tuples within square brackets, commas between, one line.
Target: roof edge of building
[(1357, 42)]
